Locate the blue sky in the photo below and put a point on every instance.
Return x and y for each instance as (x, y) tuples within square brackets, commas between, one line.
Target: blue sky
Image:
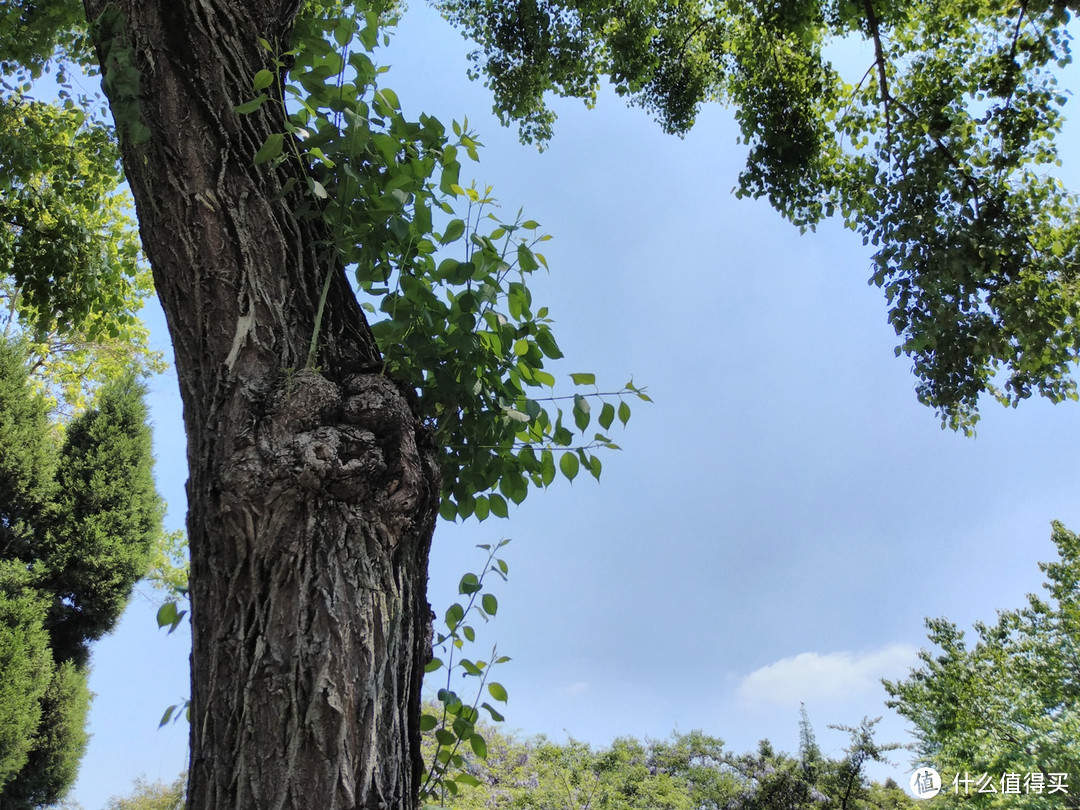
[(780, 520)]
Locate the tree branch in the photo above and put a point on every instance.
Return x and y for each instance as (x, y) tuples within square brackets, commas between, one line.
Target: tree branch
[(887, 100), (874, 26)]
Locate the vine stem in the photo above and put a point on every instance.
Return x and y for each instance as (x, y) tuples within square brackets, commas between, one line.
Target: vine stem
[(313, 348), (432, 779)]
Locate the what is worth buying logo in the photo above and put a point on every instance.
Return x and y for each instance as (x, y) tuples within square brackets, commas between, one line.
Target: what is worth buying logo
[(925, 783)]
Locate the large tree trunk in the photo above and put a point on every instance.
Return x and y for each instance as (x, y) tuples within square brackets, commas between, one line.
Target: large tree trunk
[(312, 493)]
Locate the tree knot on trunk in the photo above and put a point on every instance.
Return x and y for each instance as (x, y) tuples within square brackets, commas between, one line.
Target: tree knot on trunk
[(358, 443)]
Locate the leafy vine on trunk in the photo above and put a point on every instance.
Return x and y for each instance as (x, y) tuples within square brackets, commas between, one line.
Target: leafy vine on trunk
[(447, 291)]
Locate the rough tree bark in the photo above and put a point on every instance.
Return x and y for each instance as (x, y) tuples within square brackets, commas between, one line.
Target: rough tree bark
[(312, 493)]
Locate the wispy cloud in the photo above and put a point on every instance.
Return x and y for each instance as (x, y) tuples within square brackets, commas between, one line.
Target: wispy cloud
[(825, 676), (575, 688)]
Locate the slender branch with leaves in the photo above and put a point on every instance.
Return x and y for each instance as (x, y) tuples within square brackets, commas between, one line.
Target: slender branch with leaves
[(451, 721)]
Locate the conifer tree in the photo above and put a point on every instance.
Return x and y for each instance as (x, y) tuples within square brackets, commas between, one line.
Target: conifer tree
[(78, 518)]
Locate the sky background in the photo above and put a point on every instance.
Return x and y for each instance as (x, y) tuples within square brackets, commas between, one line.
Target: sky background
[(779, 522)]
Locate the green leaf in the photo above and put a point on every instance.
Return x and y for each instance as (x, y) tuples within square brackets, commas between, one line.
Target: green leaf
[(428, 722), (490, 604), (447, 268), (167, 716), (433, 664), (448, 182), (526, 259), (562, 436), (454, 230), (544, 378), (569, 465), (546, 341), (495, 715), (607, 415), (497, 691), (251, 106), (466, 504), (271, 149), (479, 747), (390, 97), (263, 79), (583, 379), (286, 187), (516, 487), (624, 413), (469, 584), (516, 415), (498, 505), (581, 412), (344, 30), (547, 467), (166, 615)]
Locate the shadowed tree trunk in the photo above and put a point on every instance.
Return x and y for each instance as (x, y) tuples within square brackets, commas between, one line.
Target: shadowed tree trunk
[(312, 493)]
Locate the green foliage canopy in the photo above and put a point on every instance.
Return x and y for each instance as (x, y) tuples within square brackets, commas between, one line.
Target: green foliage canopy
[(938, 149), (108, 515), (71, 278), (685, 772), (1010, 703), (152, 796), (78, 518), (58, 742), (26, 664), (34, 32)]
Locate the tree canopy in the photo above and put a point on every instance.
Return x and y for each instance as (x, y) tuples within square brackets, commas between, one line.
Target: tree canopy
[(1007, 705), (938, 149), (71, 276), (691, 771)]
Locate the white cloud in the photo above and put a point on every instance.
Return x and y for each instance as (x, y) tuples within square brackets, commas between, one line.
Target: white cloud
[(825, 676)]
